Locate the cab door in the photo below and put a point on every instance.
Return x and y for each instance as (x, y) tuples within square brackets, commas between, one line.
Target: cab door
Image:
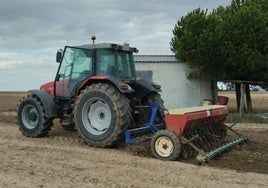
[(76, 66)]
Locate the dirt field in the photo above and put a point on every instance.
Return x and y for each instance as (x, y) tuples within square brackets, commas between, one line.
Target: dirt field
[(63, 160)]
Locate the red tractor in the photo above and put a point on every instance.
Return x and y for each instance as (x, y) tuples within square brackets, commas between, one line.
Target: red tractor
[(95, 91)]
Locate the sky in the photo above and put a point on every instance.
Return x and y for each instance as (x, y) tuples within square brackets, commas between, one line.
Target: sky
[(31, 31)]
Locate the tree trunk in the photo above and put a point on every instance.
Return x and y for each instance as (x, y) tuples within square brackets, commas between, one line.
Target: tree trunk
[(238, 95), (248, 99), (242, 101)]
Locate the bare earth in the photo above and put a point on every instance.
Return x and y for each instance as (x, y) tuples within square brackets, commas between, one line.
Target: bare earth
[(63, 160)]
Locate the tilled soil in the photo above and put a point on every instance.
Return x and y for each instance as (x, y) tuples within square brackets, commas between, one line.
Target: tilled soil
[(63, 160)]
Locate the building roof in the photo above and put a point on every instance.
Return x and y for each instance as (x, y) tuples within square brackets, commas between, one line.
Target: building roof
[(156, 59)]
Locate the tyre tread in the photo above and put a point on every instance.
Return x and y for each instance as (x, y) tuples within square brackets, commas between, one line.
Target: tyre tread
[(45, 124), (123, 114)]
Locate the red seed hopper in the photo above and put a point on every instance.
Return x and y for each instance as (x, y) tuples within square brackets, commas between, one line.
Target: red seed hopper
[(179, 120), (194, 132)]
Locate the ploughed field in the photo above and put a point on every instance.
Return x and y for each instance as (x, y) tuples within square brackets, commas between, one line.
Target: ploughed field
[(63, 160)]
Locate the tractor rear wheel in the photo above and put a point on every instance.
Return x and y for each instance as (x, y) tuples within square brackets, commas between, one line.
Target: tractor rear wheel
[(101, 114), (165, 145), (31, 117)]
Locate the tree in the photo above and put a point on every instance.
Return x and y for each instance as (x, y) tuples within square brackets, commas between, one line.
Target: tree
[(229, 43), (194, 40)]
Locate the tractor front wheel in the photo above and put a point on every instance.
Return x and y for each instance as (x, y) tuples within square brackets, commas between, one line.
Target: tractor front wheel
[(101, 114), (165, 145), (31, 117)]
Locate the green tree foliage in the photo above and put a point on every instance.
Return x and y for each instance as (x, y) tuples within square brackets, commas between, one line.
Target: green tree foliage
[(228, 43)]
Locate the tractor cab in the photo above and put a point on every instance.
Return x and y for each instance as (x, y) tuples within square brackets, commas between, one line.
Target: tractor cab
[(79, 64)]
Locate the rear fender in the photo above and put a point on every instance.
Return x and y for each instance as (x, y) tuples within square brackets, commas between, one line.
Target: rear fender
[(47, 102), (121, 86), (144, 87)]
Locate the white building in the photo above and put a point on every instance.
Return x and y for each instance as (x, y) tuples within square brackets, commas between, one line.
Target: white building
[(177, 90)]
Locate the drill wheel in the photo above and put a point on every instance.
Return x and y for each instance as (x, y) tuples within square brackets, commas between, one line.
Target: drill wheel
[(165, 145)]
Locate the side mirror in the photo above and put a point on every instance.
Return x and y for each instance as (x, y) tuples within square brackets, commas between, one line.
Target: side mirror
[(59, 56)]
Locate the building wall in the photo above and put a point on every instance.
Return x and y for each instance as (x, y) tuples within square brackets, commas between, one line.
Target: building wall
[(177, 90)]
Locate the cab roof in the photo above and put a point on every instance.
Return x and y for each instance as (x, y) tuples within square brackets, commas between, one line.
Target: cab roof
[(124, 47)]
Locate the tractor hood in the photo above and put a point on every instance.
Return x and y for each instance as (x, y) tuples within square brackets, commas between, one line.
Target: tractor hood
[(48, 87)]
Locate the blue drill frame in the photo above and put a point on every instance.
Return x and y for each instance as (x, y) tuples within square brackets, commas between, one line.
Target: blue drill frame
[(146, 127)]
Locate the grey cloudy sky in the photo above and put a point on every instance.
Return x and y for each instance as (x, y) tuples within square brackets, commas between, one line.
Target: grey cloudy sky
[(31, 31)]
